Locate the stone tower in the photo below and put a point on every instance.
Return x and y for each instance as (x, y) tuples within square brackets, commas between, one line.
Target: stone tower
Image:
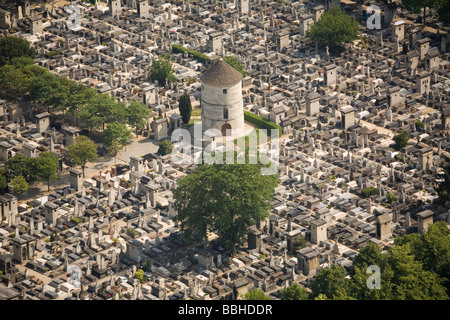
[(222, 104)]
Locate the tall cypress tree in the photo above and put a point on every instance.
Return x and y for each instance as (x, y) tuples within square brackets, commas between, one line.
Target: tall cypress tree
[(185, 107)]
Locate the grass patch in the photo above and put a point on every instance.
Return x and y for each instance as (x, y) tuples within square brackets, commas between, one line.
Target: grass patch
[(197, 112)]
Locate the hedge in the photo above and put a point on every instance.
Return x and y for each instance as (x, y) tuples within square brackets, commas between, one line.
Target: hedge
[(201, 57), (367, 192), (261, 123)]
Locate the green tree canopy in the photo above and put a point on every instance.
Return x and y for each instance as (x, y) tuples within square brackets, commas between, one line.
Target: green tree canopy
[(46, 166), (256, 294), (3, 182), (418, 6), (137, 115), (82, 151), (17, 76), (331, 282), (369, 255), (12, 81), (390, 197), (223, 198), (148, 265), (115, 137), (116, 132), (165, 147), (78, 96), (185, 107), (294, 292), (432, 249), (162, 70), (20, 165), (139, 274), (48, 90), (410, 280), (367, 192), (100, 110), (21, 62), (19, 185), (444, 184), (13, 47), (234, 62), (401, 140), (334, 28), (444, 11)]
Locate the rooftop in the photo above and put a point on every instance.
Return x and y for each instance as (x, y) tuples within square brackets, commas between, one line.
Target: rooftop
[(220, 73)]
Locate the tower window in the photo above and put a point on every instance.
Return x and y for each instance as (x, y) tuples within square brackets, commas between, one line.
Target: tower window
[(225, 114), (224, 91)]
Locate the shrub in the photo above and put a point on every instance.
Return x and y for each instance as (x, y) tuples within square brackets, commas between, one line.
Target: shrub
[(261, 122), (367, 192), (165, 147), (201, 57), (77, 220), (51, 54)]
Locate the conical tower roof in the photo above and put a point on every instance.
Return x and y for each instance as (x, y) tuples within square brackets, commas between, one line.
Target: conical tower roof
[(220, 74)]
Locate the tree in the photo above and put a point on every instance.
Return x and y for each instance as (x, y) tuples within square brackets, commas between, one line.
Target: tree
[(294, 292), (223, 198), (82, 151), (299, 243), (444, 184), (331, 282), (401, 140), (165, 147), (359, 289), (19, 185), (334, 28), (17, 76), (3, 183), (390, 198), (46, 166), (137, 115), (20, 165), (416, 6), (162, 70), (100, 110), (48, 90), (444, 11), (148, 265), (367, 192), (115, 137), (12, 47), (432, 249), (185, 107), (139, 274), (369, 255), (411, 281), (78, 96), (234, 62), (12, 80), (256, 294)]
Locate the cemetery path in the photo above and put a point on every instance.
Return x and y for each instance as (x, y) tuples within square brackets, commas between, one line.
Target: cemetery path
[(37, 275), (138, 147)]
